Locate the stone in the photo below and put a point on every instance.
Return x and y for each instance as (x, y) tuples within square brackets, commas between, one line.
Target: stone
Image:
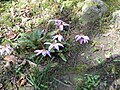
[(116, 19), (92, 10)]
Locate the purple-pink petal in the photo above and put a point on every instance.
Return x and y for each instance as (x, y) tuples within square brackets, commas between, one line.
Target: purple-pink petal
[(61, 27), (81, 41)]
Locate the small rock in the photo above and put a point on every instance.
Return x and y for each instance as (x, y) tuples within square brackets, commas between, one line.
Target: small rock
[(92, 10), (116, 19)]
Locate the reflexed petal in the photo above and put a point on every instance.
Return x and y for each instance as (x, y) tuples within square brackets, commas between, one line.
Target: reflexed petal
[(61, 27), (60, 38), (54, 37), (48, 53), (85, 40), (56, 47), (81, 41), (77, 36), (50, 20), (65, 24), (50, 47), (38, 52), (59, 44), (86, 37), (47, 43)]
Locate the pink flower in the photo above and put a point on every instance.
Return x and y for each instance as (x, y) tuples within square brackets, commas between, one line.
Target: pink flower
[(59, 37), (59, 23), (82, 39), (43, 52), (54, 45)]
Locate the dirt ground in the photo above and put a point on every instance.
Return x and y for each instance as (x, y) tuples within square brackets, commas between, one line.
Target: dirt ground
[(96, 58)]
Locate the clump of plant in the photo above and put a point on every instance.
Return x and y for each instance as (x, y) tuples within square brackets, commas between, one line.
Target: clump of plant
[(48, 43), (89, 82)]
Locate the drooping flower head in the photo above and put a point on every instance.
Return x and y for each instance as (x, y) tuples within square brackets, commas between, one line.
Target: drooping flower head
[(59, 37), (59, 23), (6, 49), (82, 39), (54, 45), (43, 52)]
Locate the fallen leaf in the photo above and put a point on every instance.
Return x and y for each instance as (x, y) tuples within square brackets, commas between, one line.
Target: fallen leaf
[(12, 35), (23, 62), (10, 58), (22, 81), (32, 64), (7, 65)]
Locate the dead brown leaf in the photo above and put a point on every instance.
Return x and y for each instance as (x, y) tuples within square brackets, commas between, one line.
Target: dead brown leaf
[(10, 58), (7, 65), (12, 35), (31, 63), (22, 81)]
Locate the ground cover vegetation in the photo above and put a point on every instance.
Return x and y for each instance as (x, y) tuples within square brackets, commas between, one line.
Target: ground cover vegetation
[(38, 39)]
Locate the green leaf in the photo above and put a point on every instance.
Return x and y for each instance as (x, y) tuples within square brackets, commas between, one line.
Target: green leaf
[(116, 60), (36, 35), (62, 57), (52, 33)]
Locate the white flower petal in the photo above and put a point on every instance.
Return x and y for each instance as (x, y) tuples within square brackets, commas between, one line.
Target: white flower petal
[(38, 52), (50, 47), (7, 50), (78, 38), (55, 37), (86, 37), (81, 41), (60, 38), (61, 27), (59, 44), (44, 53), (47, 43), (48, 53), (51, 20), (65, 24), (56, 47)]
